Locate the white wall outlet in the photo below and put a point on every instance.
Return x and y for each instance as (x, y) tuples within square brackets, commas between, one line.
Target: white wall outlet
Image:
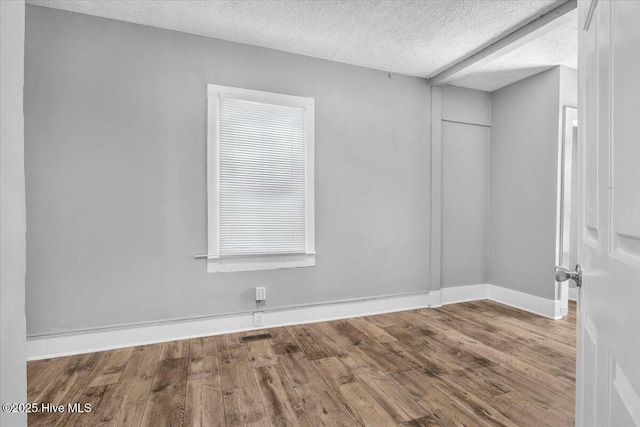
[(261, 293), (258, 318)]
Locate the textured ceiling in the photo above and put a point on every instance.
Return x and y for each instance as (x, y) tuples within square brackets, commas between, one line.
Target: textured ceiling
[(418, 38), (557, 47)]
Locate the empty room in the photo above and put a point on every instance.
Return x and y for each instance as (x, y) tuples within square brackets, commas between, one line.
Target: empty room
[(320, 213)]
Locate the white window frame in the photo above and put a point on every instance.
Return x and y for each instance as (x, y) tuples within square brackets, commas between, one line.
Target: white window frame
[(217, 263)]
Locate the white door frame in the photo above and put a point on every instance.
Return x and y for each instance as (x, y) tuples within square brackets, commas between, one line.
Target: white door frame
[(569, 124)]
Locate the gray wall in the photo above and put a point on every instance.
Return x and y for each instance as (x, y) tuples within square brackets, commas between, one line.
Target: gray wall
[(466, 120), (523, 182), (13, 376), (115, 161), (464, 105)]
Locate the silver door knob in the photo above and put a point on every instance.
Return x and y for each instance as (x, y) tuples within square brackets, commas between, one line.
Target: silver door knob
[(562, 274)]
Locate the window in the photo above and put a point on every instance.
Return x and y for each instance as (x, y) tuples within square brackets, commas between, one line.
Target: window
[(260, 180)]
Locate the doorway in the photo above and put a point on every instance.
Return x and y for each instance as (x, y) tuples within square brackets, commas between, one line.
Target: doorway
[(566, 245)]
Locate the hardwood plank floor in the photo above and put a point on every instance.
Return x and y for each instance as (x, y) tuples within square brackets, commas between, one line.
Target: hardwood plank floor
[(472, 364)]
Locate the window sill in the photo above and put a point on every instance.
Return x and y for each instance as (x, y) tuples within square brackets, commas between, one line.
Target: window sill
[(260, 262)]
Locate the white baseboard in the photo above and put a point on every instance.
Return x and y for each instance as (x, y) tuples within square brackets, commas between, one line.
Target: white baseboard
[(534, 304), (46, 346), (464, 293), (573, 294), (435, 298)]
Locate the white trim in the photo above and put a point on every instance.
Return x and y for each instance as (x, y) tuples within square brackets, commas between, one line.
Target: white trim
[(310, 213), (532, 303), (435, 299), (260, 96), (527, 302), (573, 294), (563, 295), (464, 293), (213, 172), (271, 262), (216, 263), (565, 140), (435, 236), (47, 346), (564, 310)]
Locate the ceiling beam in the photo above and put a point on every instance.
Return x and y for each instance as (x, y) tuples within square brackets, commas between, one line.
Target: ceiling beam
[(534, 29)]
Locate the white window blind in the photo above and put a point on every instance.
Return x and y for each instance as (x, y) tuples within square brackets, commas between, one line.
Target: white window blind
[(261, 178)]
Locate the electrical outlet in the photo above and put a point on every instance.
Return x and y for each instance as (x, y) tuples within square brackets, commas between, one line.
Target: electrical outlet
[(261, 293), (258, 318)]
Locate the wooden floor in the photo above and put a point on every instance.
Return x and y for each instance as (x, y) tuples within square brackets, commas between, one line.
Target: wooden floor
[(471, 364)]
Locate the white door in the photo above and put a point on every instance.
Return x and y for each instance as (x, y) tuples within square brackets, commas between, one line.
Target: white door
[(608, 371)]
